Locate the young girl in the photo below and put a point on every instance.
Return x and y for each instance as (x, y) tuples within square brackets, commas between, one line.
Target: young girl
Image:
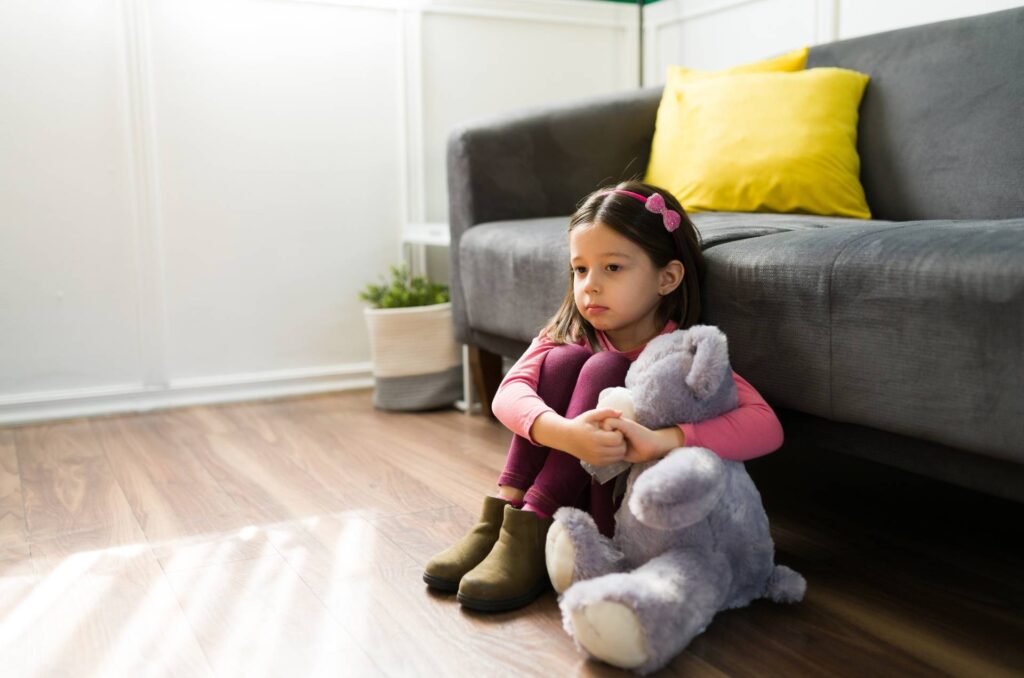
[(635, 272)]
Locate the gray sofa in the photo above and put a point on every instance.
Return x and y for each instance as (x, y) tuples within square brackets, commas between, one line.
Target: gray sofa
[(899, 339)]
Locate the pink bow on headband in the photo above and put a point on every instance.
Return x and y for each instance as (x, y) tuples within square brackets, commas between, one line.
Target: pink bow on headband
[(656, 204)]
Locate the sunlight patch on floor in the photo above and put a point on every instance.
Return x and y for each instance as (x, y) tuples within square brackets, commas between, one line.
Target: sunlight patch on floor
[(254, 601)]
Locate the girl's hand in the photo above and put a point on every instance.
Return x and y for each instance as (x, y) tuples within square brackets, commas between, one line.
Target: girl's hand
[(643, 444), (589, 442)]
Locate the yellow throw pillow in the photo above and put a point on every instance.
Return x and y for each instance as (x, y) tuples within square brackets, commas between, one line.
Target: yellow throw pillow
[(766, 142), (788, 62), (666, 126)]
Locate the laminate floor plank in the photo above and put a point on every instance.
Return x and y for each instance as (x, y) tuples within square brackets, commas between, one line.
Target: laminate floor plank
[(426, 458), (170, 492), (256, 473), (376, 588), (256, 617), (287, 538), (68, 485), (348, 458), (352, 570), (90, 609), (12, 507)]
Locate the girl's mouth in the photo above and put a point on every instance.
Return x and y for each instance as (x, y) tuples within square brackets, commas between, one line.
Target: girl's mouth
[(594, 310)]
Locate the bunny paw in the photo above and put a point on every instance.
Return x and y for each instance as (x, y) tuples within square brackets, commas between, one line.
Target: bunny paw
[(610, 631), (576, 550)]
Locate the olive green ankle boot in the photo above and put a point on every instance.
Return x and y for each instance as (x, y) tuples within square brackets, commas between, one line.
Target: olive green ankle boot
[(514, 573), (445, 570)]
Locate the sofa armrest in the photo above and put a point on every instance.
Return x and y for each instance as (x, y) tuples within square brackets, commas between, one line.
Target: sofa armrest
[(541, 163)]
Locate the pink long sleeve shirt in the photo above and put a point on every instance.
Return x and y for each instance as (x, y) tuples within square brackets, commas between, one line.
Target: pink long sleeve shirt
[(751, 430)]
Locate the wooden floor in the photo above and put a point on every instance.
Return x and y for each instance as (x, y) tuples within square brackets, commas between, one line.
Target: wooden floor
[(287, 538)]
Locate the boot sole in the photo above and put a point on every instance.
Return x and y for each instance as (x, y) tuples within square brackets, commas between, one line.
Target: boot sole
[(446, 585), (484, 605)]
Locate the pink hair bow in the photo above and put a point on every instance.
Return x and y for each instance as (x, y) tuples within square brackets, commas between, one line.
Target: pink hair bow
[(656, 203)]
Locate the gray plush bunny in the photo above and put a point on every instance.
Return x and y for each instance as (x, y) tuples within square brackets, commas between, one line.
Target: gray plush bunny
[(691, 536)]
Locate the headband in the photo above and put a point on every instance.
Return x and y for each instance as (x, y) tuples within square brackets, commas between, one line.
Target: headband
[(655, 203)]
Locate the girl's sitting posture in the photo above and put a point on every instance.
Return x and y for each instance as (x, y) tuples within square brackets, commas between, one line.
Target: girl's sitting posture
[(636, 268)]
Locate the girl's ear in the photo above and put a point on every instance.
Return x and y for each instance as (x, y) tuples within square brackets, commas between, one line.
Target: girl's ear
[(670, 276)]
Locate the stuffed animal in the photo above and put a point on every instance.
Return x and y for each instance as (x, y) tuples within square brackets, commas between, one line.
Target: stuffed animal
[(691, 535)]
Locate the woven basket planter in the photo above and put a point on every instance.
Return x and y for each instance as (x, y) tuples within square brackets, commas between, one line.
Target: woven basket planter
[(416, 362)]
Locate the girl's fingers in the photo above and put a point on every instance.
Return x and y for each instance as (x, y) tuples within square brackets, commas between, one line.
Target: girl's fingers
[(602, 414), (613, 453), (609, 438), (615, 425), (610, 447)]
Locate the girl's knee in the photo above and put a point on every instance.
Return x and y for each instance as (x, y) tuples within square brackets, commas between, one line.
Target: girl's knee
[(604, 369), (607, 361), (566, 355)]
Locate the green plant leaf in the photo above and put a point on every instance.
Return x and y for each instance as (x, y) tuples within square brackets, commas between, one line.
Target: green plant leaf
[(404, 290)]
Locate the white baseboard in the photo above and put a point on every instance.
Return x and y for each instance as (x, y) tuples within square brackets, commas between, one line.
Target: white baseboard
[(89, 402)]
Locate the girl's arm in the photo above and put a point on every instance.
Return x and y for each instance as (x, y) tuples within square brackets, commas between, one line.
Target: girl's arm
[(517, 406), (516, 403), (751, 430)]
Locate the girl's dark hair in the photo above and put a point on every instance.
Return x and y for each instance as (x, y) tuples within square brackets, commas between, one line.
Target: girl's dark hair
[(631, 218)]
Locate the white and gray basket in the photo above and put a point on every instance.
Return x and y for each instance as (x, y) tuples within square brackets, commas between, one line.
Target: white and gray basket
[(417, 364)]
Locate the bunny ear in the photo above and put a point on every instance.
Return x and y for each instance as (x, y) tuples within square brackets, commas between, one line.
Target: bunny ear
[(710, 353)]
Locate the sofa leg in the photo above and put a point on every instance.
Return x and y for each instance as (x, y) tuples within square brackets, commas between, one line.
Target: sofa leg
[(486, 370)]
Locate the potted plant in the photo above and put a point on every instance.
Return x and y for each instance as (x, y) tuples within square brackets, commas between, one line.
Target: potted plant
[(416, 360)]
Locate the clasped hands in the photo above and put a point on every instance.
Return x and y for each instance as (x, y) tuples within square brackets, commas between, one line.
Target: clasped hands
[(604, 437)]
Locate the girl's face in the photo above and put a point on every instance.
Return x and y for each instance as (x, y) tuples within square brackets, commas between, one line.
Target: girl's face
[(616, 286)]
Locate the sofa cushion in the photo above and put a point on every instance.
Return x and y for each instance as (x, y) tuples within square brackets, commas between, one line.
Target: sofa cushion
[(720, 227), (514, 274), (766, 142), (928, 334), (914, 328), (941, 135)]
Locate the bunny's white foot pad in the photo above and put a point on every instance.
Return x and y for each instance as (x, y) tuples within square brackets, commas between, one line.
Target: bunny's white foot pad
[(611, 632), (560, 557)]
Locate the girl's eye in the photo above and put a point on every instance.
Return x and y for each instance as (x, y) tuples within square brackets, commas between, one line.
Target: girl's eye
[(613, 267), (579, 270)]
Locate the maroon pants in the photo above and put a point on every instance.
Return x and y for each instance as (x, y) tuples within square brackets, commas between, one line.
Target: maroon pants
[(570, 380)]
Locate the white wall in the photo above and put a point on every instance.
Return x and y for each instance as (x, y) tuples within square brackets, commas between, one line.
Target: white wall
[(715, 34), (862, 17), (193, 191)]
